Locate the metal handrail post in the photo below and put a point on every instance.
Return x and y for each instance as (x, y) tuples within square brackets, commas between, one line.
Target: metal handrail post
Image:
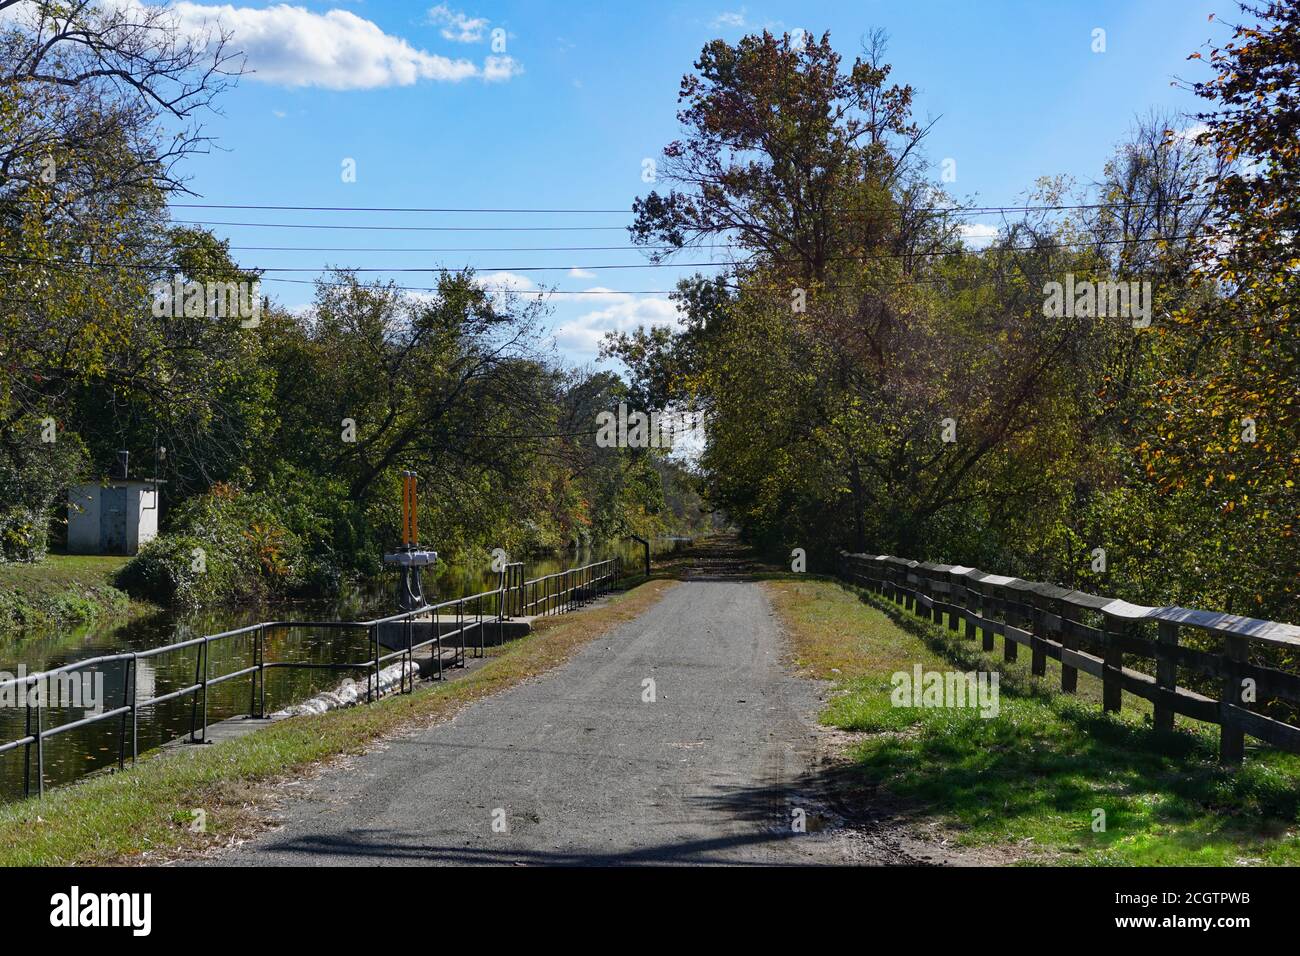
[(121, 731), (410, 657), (252, 681), (27, 748), (40, 745), (135, 710), (194, 701), (206, 644), (261, 672)]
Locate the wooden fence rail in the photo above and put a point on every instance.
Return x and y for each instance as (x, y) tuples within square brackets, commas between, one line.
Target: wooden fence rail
[(1088, 633)]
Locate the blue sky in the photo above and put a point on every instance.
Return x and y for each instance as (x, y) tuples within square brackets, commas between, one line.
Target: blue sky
[(564, 115)]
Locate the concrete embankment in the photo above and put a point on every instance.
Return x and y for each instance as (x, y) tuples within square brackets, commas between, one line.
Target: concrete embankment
[(352, 692)]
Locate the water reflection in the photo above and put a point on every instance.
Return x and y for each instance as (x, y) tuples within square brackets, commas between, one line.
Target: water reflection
[(78, 751)]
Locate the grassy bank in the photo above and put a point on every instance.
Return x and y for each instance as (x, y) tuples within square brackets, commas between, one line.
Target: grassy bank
[(145, 813), (1034, 775), (59, 590)]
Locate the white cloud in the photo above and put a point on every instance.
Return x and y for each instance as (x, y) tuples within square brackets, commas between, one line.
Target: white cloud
[(625, 313), (731, 20), (600, 293), (498, 68), (977, 232), (507, 282), (457, 26), (578, 273), (1192, 132), (338, 50)]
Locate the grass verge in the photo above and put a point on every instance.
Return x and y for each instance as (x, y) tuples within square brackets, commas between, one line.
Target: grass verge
[(61, 589), (145, 813), (1034, 775)]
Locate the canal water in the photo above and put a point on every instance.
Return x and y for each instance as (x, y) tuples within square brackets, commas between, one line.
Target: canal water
[(81, 750)]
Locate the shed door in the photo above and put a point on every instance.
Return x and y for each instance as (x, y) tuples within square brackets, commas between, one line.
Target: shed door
[(112, 520)]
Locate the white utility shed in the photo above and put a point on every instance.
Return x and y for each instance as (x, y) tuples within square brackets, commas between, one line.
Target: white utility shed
[(114, 517)]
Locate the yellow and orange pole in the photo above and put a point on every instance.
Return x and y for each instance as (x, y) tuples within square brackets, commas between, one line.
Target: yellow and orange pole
[(406, 508), (410, 525), (415, 512)]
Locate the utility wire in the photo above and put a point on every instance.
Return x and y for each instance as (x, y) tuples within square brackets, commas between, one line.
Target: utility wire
[(301, 225), (469, 210), (949, 210), (871, 257)]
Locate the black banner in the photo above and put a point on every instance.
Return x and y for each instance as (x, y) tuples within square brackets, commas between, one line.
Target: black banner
[(139, 907)]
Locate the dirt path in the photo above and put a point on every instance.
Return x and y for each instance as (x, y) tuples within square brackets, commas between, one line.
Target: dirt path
[(581, 768)]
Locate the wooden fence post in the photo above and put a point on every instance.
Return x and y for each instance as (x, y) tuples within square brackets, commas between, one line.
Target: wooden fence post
[(953, 603), (1010, 649), (1232, 741), (970, 601), (1069, 673), (1112, 691), (987, 604), (1166, 672), (1038, 627), (931, 579)]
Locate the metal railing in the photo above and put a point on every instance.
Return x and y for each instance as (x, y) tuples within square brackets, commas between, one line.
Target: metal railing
[(567, 590), (554, 593), (510, 581)]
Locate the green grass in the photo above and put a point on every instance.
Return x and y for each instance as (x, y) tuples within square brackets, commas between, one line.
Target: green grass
[(1032, 777), (61, 589), (144, 814)]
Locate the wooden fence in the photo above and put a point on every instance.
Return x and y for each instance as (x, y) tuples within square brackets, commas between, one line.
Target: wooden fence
[(1092, 634)]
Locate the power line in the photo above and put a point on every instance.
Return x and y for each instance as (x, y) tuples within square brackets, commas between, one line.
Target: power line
[(968, 211), (472, 249), (472, 210), (956, 282), (302, 225), (872, 257), (415, 209), (948, 210), (878, 213), (522, 292)]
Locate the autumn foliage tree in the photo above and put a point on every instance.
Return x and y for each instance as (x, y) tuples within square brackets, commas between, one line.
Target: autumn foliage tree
[(1227, 411)]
